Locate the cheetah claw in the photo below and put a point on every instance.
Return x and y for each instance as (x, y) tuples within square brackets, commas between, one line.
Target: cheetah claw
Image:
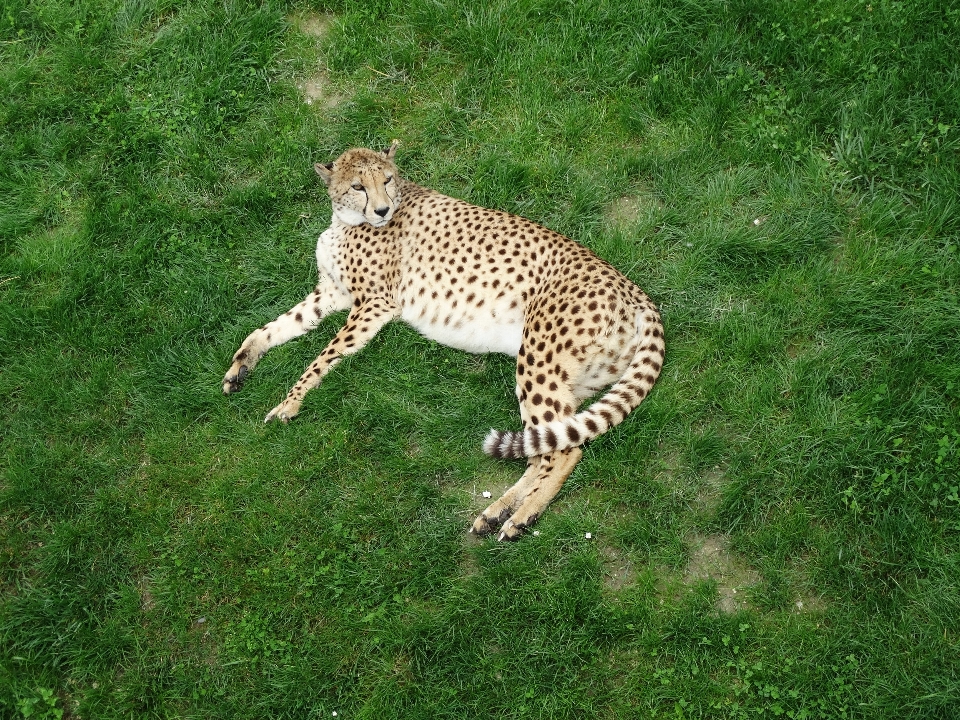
[(510, 531)]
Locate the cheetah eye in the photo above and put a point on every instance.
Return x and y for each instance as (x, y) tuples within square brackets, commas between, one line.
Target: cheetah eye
[(388, 180), (357, 186)]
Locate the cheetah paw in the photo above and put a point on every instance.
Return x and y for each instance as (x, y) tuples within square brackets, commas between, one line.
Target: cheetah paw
[(284, 412), (517, 525), (483, 526), (234, 378), (490, 519), (510, 531)]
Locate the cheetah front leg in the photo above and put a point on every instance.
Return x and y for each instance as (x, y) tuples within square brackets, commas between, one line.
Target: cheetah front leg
[(365, 320), (299, 320)]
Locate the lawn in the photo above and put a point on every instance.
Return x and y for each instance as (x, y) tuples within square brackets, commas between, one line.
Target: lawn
[(775, 532)]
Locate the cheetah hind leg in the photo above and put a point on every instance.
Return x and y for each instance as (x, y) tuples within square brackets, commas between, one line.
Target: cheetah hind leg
[(554, 469), (499, 510), (522, 505)]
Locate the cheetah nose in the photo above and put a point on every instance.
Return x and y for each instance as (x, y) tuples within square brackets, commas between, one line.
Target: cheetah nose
[(382, 212)]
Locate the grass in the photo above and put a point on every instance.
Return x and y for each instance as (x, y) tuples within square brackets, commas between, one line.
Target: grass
[(781, 176)]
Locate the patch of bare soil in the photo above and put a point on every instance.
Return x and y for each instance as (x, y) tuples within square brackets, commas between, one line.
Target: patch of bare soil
[(318, 91), (630, 209), (147, 601), (711, 558), (808, 604), (314, 24), (618, 571)]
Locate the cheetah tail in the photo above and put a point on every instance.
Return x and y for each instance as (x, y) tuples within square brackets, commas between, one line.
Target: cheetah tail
[(625, 395)]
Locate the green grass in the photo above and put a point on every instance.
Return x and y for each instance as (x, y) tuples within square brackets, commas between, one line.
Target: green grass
[(781, 176)]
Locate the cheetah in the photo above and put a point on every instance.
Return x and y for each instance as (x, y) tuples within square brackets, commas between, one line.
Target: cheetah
[(483, 281)]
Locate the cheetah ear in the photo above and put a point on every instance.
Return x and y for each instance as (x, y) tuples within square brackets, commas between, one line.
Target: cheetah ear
[(324, 171), (392, 150)]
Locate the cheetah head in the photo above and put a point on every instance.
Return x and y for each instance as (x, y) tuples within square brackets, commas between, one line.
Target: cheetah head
[(363, 185)]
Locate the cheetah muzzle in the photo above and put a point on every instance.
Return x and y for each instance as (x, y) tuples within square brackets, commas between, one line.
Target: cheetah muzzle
[(483, 281)]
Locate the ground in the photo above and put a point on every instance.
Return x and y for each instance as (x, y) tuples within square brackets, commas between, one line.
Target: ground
[(780, 177)]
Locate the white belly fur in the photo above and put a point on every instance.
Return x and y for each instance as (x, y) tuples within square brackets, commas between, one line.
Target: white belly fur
[(469, 329)]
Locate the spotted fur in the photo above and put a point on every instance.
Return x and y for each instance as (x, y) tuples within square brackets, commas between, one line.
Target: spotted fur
[(483, 281)]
